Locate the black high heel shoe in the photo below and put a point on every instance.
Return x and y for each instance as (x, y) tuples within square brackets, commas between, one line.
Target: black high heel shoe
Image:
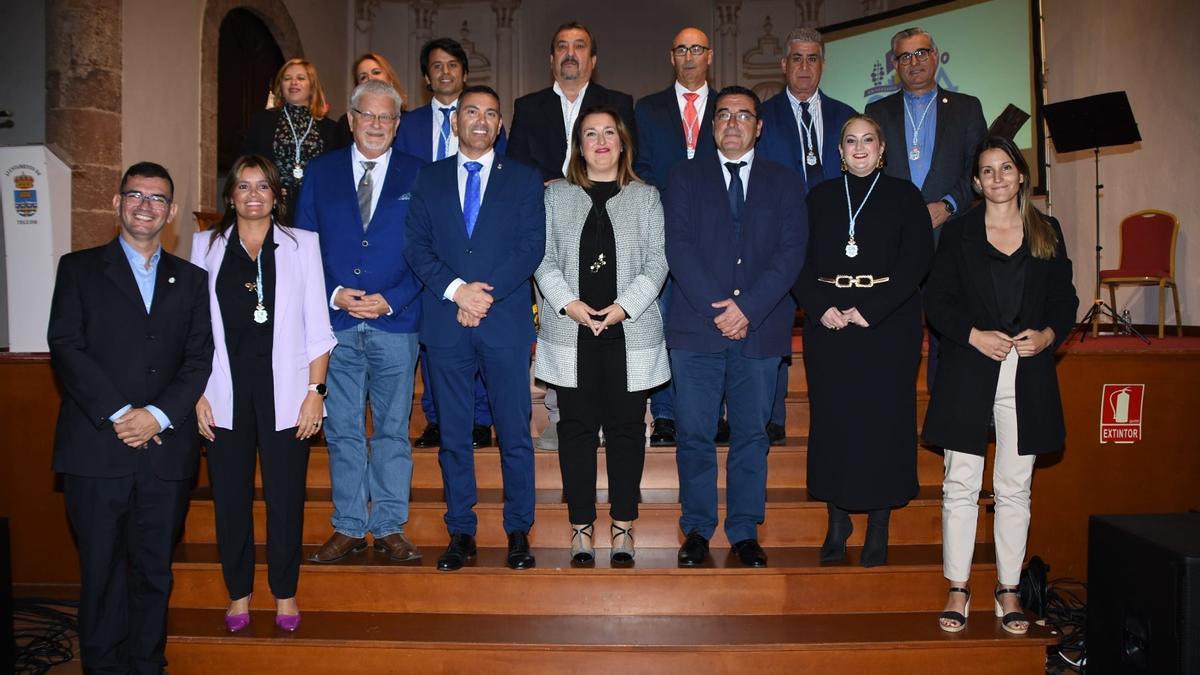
[(959, 617), (839, 530), (875, 549), (582, 551), (1012, 622), (622, 542)]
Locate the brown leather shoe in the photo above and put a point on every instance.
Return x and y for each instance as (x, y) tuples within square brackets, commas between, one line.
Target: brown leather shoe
[(397, 547), (337, 547)]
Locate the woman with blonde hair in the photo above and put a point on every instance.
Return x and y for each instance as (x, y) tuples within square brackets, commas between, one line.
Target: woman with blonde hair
[(369, 66)]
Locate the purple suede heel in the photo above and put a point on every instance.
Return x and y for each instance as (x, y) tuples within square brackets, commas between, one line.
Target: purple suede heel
[(237, 622), (288, 622)]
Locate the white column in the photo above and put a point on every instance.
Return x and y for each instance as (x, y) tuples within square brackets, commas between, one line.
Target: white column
[(808, 13), (727, 52), (424, 14), (505, 81)]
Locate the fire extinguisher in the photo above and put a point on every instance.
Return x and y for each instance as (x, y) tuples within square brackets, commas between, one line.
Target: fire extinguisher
[(1119, 402)]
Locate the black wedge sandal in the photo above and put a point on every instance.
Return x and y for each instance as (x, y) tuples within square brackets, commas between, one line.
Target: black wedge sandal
[(1013, 622), (961, 618)]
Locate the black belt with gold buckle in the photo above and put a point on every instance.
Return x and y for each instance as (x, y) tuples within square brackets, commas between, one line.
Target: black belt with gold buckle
[(854, 280)]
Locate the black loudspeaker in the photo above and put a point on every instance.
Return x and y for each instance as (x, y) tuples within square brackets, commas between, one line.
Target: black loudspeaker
[(1143, 599), (8, 648)]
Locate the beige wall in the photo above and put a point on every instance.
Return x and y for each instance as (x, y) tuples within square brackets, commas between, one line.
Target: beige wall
[(1149, 50)]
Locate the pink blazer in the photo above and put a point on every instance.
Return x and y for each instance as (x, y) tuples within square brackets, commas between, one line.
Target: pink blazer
[(301, 329)]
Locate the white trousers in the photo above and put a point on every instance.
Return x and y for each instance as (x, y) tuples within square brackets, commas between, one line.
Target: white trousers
[(1011, 478)]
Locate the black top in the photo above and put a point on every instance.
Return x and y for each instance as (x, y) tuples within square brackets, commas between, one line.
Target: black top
[(244, 339), (598, 280), (1008, 278)]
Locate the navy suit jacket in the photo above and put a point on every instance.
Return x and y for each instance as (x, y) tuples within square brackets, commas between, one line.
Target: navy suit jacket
[(660, 141), (415, 135), (708, 264), (506, 247), (960, 128), (538, 135), (780, 140), (371, 260)]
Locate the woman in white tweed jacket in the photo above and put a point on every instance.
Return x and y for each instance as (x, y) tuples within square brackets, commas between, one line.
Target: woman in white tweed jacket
[(601, 338)]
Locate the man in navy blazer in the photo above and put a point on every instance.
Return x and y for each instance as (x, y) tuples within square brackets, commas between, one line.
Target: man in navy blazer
[(476, 233), (802, 129), (425, 133), (673, 126), (737, 229), (357, 199)]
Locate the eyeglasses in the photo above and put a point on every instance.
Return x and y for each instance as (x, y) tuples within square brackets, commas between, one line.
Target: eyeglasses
[(157, 202), (370, 117), (921, 55), (724, 116), (682, 50)]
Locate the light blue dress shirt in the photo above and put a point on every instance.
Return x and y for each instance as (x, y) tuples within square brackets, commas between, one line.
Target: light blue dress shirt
[(915, 107)]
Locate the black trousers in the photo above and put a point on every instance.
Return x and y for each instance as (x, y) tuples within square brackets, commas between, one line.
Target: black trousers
[(601, 401), (126, 528), (284, 461)]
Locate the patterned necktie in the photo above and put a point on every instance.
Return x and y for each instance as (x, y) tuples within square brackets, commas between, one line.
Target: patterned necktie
[(737, 195), (691, 122), (812, 172), (365, 188), (472, 198), (445, 133)]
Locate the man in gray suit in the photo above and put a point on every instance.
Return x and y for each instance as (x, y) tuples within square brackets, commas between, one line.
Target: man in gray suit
[(931, 133)]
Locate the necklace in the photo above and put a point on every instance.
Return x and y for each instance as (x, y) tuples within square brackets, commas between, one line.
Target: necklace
[(601, 219), (260, 311), (809, 140), (297, 169), (851, 246), (914, 153)]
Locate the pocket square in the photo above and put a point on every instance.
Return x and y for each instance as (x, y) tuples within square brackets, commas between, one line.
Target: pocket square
[(406, 196)]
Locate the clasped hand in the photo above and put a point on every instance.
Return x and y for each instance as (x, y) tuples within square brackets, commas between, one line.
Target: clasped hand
[(995, 344), (360, 305), (732, 323), (137, 428), (474, 300), (837, 319), (584, 315)]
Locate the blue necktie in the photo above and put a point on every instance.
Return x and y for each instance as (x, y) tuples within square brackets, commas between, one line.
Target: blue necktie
[(441, 149), (472, 198), (737, 196)]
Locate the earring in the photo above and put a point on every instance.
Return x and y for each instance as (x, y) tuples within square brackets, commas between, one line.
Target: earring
[(844, 167), (879, 164)]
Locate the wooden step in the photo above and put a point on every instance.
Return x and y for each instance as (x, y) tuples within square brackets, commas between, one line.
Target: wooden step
[(787, 467), (794, 583), (792, 519), (337, 642)]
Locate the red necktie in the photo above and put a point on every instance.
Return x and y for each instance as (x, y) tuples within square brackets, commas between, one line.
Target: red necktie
[(691, 121)]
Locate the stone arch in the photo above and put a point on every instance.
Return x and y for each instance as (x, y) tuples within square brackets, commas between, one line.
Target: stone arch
[(277, 19)]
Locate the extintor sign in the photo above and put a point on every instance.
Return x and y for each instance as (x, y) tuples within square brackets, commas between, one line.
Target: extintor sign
[(1121, 413)]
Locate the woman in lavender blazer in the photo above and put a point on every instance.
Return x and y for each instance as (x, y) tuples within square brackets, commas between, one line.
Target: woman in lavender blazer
[(272, 341)]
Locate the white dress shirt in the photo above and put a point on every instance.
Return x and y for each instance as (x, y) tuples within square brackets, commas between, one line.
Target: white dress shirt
[(484, 174), (744, 171), (570, 112), (451, 138), (701, 104), (814, 109)]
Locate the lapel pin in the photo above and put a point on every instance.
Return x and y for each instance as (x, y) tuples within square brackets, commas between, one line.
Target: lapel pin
[(170, 280), (945, 100)]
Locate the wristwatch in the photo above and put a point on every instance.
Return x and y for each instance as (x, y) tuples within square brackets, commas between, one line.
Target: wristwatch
[(949, 206), (321, 390)]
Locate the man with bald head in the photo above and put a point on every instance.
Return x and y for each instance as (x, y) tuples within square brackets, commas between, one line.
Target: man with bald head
[(675, 125)]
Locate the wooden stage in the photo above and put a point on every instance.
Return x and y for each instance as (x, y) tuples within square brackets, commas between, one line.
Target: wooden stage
[(796, 615)]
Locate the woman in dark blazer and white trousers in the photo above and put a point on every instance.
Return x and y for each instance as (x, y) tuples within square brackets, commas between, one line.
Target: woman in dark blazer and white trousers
[(601, 338), (1001, 296), (271, 333)]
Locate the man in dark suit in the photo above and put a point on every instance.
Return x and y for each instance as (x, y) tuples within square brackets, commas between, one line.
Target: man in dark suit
[(425, 133), (736, 230), (802, 129), (476, 232), (673, 126), (131, 344), (542, 120), (930, 135), (357, 199)]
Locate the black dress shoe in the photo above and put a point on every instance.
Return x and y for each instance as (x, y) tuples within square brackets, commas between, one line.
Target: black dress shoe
[(481, 436), (519, 557), (460, 550), (776, 433), (750, 553), (839, 530), (875, 548), (663, 433), (722, 437), (430, 438), (694, 550)]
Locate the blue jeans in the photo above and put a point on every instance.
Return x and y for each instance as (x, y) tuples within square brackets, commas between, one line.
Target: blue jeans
[(483, 412), (370, 364), (748, 387)]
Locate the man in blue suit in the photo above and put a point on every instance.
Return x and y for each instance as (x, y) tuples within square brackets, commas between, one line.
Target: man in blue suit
[(801, 130), (357, 199), (476, 232), (425, 133), (736, 231), (673, 126)]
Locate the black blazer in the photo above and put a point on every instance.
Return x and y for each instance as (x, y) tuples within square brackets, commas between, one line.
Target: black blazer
[(538, 136), (959, 296), (960, 128), (107, 352)]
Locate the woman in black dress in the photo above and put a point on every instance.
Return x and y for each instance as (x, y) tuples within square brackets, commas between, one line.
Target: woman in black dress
[(293, 129), (1001, 296), (870, 244)]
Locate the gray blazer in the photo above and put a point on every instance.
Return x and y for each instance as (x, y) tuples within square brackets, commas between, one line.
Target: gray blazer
[(637, 219)]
